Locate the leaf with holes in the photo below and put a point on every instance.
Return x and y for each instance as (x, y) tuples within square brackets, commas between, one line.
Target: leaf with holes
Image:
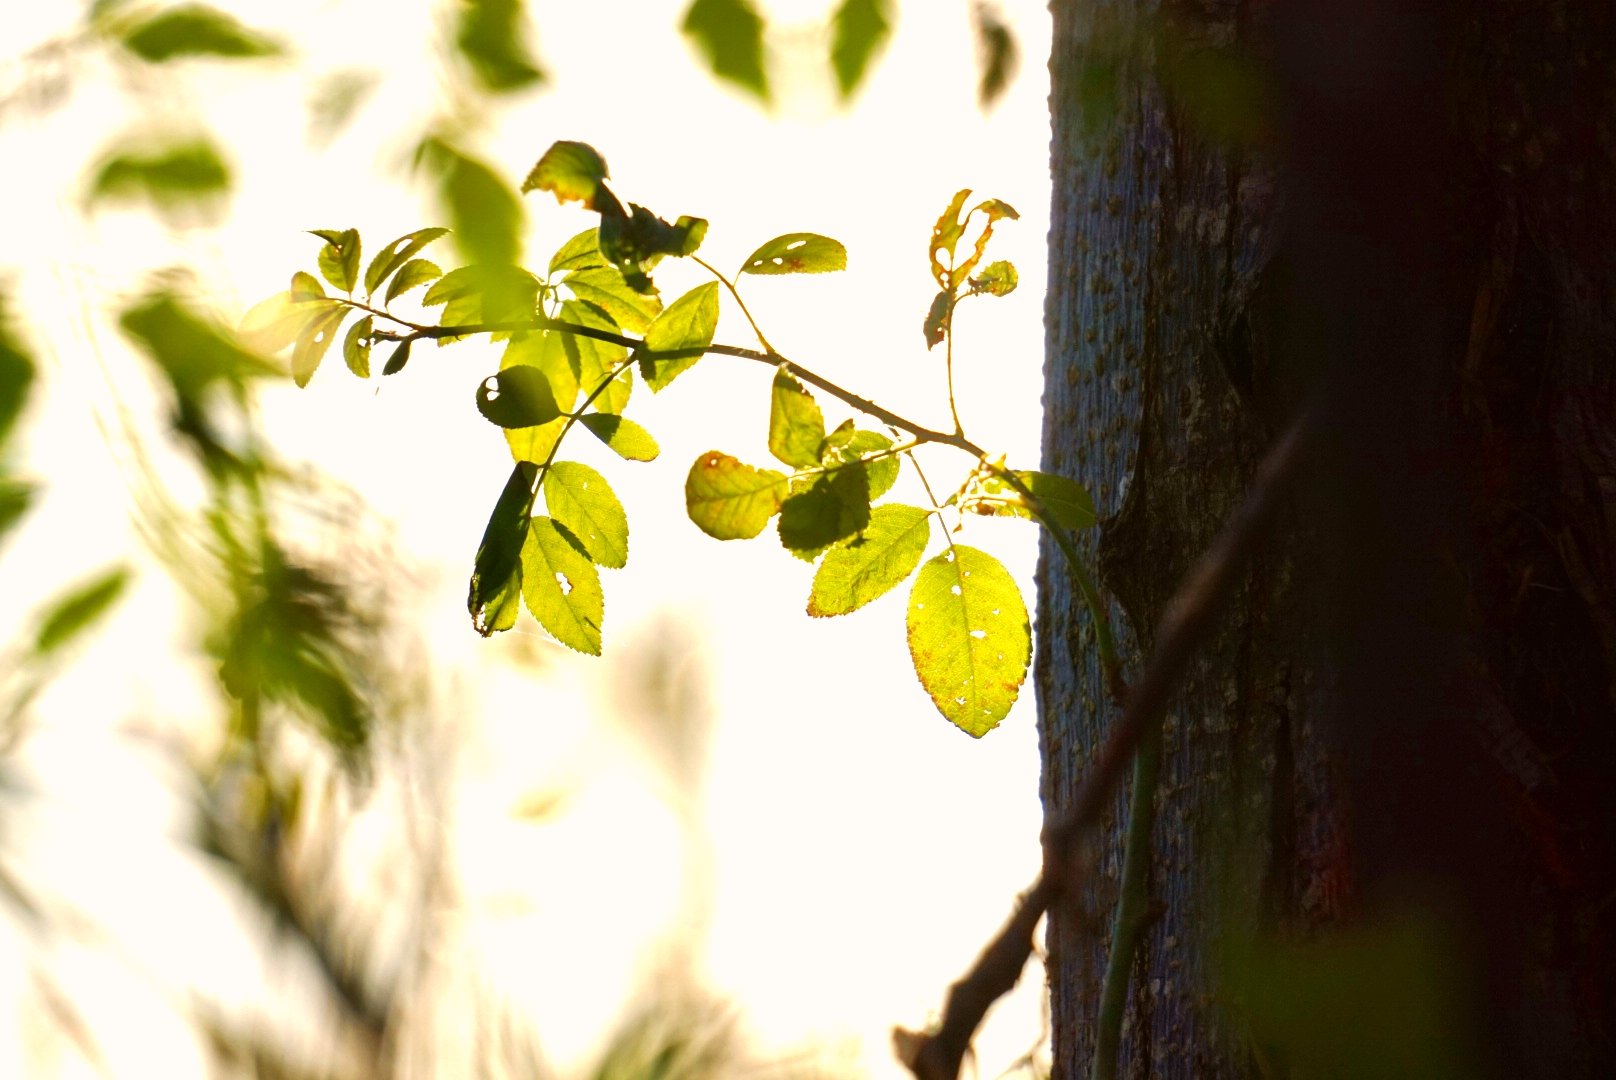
[(872, 563), (339, 258), (944, 235), (796, 426), (413, 273), (684, 330), (356, 347), (627, 439), (996, 279), (494, 598), (729, 500), (1064, 501), (313, 342), (969, 637), (562, 586), (580, 499), (395, 255), (797, 253), (518, 397), (993, 210), (547, 353)]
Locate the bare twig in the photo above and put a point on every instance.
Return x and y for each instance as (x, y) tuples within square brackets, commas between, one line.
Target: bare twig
[(1188, 620)]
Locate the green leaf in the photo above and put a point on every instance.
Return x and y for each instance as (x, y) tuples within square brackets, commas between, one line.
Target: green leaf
[(494, 598), (195, 30), (15, 499), (939, 318), (484, 213), (546, 352), (356, 347), (872, 563), (562, 586), (400, 357), (413, 273), (996, 48), (729, 500), (636, 241), (684, 330), (627, 439), (729, 34), (797, 253), (832, 507), (596, 359), (518, 397), (579, 253), (312, 343), (169, 174), (483, 294), (604, 287), (395, 255), (969, 637), (796, 426), (580, 499), (339, 258), (16, 373), (193, 352), (275, 322), (1064, 501), (996, 279), (77, 610), (305, 287), (491, 35), (858, 445), (572, 172), (860, 29)]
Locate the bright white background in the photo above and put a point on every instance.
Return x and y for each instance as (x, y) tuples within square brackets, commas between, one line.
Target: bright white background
[(862, 849)]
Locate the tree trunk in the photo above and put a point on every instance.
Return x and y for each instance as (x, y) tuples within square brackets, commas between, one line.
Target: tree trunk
[(1384, 823)]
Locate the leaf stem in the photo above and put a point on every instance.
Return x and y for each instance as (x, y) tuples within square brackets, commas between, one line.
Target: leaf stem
[(733, 291)]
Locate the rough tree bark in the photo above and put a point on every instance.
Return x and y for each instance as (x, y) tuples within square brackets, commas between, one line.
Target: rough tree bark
[(1411, 710)]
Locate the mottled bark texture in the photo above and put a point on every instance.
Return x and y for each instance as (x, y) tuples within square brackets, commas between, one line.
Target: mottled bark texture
[(1409, 717)]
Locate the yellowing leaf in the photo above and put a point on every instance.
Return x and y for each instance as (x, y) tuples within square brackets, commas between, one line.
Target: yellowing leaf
[(580, 499), (797, 253), (944, 235), (684, 330), (562, 586), (729, 500), (996, 279), (872, 563), (969, 637), (1064, 501), (796, 426), (571, 171)]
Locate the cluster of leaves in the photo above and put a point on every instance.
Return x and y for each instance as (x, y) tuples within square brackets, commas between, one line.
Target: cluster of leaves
[(578, 338)]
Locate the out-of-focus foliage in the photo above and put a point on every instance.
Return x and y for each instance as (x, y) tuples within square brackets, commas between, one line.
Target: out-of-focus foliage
[(187, 30), (165, 172), (729, 36), (492, 37)]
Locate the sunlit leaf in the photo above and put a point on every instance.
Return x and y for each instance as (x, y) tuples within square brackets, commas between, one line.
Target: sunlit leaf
[(604, 287), (873, 562), (1064, 501), (831, 507), (729, 35), (413, 273), (597, 359), (305, 286), (684, 330), (356, 347), (579, 253), (944, 236), (395, 255), (939, 317), (492, 36), (882, 471), (339, 258), (494, 598), (562, 586), (483, 211), (969, 637), (860, 28), (796, 426), (996, 279), (312, 343), (195, 30), (797, 253), (275, 322), (193, 351), (78, 610), (170, 174), (548, 353), (518, 397), (481, 294), (626, 438), (579, 498), (729, 500), (996, 51), (571, 171)]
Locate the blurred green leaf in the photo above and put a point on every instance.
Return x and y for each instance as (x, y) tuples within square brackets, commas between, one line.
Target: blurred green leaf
[(830, 507), (579, 253), (969, 637), (860, 30), (579, 498), (169, 173), (194, 352), (16, 373), (396, 255), (74, 612), (15, 498), (996, 52), (729, 35), (796, 426), (275, 322), (797, 253), (572, 172), (562, 586), (195, 30), (518, 397), (356, 347), (729, 500), (482, 209), (413, 273), (627, 439), (339, 258), (491, 35), (872, 563), (494, 598), (1065, 501), (684, 330), (305, 286)]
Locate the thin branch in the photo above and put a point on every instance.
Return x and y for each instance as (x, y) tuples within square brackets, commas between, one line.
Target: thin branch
[(1188, 620), (736, 293)]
